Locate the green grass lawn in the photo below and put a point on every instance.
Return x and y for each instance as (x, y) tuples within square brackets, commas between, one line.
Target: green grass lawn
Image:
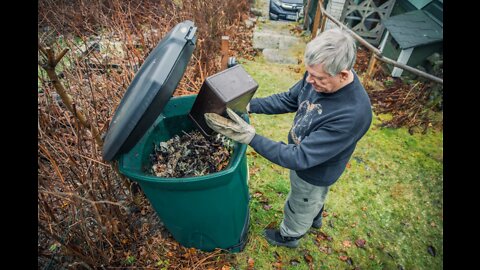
[(391, 196)]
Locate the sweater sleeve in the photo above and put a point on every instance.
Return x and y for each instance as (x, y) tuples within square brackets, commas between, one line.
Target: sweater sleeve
[(320, 146), (278, 103)]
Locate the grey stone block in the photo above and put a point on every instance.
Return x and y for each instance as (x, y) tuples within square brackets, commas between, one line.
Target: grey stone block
[(279, 56)]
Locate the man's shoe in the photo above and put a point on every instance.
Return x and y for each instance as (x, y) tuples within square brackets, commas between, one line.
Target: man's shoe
[(275, 238), (317, 223)]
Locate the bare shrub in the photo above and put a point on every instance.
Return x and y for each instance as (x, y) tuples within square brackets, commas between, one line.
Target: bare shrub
[(89, 215)]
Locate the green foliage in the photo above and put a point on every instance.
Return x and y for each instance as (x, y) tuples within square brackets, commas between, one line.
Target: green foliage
[(391, 196), (53, 247), (130, 260), (163, 264), (388, 82)]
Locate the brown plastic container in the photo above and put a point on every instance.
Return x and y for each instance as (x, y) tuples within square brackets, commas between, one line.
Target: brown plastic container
[(232, 88)]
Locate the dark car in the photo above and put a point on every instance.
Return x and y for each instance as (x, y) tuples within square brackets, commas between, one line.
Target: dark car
[(286, 9)]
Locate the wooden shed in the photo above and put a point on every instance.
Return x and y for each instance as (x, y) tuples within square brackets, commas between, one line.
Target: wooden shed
[(411, 37)]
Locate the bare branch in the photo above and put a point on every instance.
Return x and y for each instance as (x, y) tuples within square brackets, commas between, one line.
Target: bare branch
[(69, 194), (60, 56)]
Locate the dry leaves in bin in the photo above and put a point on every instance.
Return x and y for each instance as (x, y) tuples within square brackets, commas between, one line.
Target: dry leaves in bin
[(191, 155)]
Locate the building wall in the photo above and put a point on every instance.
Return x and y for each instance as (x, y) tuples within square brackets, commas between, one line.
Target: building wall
[(334, 8)]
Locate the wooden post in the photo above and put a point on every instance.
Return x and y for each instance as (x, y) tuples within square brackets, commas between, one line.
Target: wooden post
[(323, 22), (316, 21), (306, 21), (225, 43), (371, 66)]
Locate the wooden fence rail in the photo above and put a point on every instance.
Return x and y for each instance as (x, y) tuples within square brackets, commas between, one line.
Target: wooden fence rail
[(319, 23)]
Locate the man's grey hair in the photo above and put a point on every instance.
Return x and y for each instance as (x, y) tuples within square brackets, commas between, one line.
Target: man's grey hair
[(334, 48)]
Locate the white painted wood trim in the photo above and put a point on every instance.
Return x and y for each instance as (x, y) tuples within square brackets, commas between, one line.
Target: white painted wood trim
[(384, 41), (402, 58)]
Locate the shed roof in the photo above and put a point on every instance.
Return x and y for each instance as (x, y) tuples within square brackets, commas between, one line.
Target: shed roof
[(413, 29), (419, 4)]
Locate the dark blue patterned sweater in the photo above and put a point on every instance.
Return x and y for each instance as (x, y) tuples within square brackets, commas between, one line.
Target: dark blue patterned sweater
[(325, 130)]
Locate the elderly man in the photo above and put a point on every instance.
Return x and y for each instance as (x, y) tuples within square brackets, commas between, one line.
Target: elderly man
[(333, 112)]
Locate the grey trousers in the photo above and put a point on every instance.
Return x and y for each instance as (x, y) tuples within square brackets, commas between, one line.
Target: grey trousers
[(303, 204)]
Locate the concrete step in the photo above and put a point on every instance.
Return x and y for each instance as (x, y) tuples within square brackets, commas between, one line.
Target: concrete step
[(279, 56), (263, 40)]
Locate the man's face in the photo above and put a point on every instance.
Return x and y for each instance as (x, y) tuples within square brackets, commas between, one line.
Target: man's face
[(321, 81)]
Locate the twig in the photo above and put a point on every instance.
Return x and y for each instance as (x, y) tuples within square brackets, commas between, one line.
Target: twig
[(216, 252), (66, 195), (96, 161), (60, 56), (52, 161), (186, 133), (410, 91)]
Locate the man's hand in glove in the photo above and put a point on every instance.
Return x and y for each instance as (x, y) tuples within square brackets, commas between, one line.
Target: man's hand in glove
[(236, 128)]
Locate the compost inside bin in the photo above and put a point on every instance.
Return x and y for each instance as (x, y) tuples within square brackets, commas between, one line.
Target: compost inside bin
[(191, 154)]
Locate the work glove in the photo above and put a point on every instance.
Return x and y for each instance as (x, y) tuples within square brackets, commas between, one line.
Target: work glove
[(235, 128)]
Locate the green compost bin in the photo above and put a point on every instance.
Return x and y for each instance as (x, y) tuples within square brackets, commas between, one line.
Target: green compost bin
[(205, 212)]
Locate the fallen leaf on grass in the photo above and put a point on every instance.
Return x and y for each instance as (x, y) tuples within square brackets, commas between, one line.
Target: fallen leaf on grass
[(263, 200), (322, 236), (308, 258), (257, 194), (267, 207), (251, 263), (343, 258), (347, 243), (253, 170), (325, 249), (360, 243), (278, 265)]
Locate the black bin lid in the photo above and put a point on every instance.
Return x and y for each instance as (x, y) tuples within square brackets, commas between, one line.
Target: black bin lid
[(151, 88)]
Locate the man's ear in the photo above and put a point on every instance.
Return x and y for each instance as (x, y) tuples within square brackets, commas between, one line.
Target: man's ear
[(344, 74)]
